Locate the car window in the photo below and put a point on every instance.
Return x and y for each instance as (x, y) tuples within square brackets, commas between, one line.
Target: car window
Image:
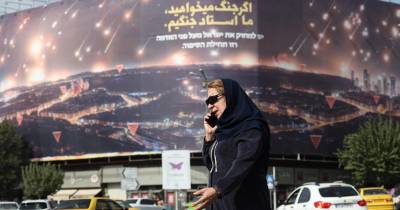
[(122, 203), (337, 191), (375, 192), (292, 197), (33, 205), (102, 205), (113, 205), (53, 204), (304, 196), (147, 202), (8, 206), (74, 204), (133, 201)]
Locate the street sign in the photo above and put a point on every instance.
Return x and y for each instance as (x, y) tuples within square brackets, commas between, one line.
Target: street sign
[(176, 170), (130, 184)]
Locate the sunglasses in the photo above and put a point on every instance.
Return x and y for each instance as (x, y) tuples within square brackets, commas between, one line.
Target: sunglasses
[(211, 100)]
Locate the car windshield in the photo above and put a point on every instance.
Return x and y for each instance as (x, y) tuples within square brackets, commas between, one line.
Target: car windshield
[(8, 206), (337, 191), (375, 192), (74, 204), (33, 205)]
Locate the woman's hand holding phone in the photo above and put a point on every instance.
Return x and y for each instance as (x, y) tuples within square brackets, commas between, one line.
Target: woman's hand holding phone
[(210, 121)]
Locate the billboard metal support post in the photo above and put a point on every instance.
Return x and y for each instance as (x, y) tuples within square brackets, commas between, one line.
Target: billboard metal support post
[(176, 200), (274, 190)]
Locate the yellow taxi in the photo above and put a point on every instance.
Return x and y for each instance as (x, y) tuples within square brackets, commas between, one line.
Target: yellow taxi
[(377, 198), (94, 203)]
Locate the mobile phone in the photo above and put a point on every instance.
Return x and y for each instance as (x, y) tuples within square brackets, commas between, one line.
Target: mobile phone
[(212, 120)]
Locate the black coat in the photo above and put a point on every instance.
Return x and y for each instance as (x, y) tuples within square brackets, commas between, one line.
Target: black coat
[(237, 158), (238, 170)]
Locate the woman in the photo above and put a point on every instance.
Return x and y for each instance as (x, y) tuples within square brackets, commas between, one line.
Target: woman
[(235, 151)]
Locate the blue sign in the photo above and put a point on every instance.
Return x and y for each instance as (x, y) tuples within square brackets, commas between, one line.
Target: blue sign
[(270, 181)]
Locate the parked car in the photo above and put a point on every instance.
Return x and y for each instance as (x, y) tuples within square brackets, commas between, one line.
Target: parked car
[(37, 205), (144, 204), (8, 205), (90, 204), (377, 198), (335, 195)]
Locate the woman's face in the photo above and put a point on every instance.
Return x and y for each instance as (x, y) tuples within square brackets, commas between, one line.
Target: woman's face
[(219, 107)]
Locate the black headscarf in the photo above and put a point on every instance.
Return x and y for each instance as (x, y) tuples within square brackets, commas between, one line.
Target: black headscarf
[(241, 114)]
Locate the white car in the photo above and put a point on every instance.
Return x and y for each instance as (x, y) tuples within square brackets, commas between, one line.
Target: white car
[(8, 205), (396, 201), (36, 205), (143, 204), (335, 195)]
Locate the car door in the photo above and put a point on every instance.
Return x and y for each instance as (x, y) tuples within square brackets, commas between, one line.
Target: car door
[(290, 203), (304, 199)]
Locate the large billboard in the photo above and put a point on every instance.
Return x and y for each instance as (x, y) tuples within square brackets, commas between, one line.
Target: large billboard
[(84, 78)]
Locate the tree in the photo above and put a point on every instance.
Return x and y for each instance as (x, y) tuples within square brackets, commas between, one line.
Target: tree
[(14, 153), (39, 181), (372, 154)]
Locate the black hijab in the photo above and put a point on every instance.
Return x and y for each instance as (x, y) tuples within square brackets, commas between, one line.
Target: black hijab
[(241, 114)]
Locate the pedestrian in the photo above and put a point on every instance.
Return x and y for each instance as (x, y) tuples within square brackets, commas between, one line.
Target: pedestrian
[(235, 151)]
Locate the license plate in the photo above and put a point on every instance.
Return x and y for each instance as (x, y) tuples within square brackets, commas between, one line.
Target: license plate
[(343, 205), (378, 201)]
